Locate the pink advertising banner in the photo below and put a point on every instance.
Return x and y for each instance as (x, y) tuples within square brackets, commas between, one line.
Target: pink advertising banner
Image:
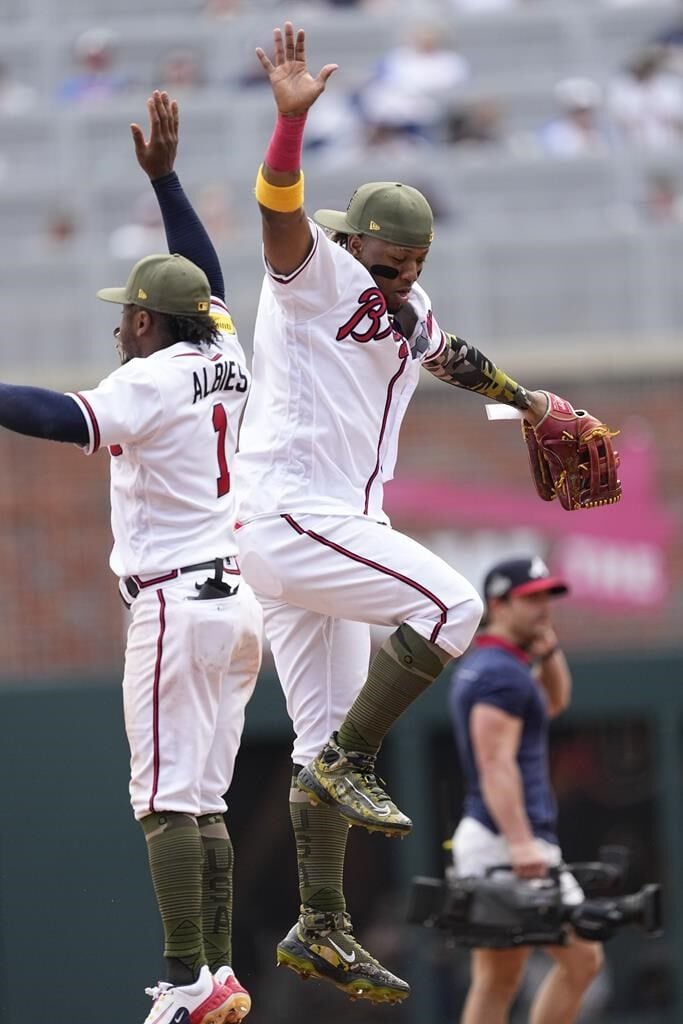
[(615, 555)]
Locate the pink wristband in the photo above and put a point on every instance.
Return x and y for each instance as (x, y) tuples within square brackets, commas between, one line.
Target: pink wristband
[(284, 148)]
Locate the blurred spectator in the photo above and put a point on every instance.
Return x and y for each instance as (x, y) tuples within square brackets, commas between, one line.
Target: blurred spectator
[(61, 229), (96, 77), (484, 6), (335, 130), (646, 101), (144, 234), (478, 123), (218, 213), (251, 74), (366, 5), (180, 71), (338, 130), (663, 202), (413, 84), (579, 129), (15, 97), (221, 8), (671, 38)]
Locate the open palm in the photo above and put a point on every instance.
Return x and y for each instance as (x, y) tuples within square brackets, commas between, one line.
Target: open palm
[(294, 88)]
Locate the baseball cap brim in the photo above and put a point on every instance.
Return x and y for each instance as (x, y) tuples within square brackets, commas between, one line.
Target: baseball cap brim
[(549, 584), (334, 220), (117, 295)]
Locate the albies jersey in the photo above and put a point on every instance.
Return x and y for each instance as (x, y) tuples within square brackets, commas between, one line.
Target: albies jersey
[(170, 422), (332, 381)]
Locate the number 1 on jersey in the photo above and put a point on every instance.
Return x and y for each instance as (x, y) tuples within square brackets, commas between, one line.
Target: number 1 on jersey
[(220, 425)]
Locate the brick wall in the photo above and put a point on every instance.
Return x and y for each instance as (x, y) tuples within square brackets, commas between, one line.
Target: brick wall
[(61, 613)]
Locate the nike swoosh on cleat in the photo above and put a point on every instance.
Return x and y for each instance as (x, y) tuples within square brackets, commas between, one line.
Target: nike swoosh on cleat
[(381, 811), (181, 1017), (348, 958)]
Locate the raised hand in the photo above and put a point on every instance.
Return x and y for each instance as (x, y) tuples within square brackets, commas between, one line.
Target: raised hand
[(545, 642), (157, 156), (294, 88)]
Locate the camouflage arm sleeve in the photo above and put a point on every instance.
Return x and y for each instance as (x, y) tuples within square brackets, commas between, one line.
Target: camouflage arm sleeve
[(462, 365)]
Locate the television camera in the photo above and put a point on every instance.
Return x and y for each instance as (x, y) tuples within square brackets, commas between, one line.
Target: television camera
[(501, 911)]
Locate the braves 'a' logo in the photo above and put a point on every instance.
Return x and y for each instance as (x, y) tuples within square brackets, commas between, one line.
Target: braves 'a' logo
[(372, 307)]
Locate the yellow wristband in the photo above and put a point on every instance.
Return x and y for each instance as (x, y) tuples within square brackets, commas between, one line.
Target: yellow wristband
[(282, 199)]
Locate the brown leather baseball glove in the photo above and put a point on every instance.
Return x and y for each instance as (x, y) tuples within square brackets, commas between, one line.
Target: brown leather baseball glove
[(572, 457)]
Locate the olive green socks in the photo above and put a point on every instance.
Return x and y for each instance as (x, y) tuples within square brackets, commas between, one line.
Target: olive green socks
[(320, 834), (191, 862), (174, 848), (405, 665), (217, 890)]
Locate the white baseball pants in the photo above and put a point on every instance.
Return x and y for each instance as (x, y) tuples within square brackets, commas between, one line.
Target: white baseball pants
[(476, 848), (190, 669), (321, 580)]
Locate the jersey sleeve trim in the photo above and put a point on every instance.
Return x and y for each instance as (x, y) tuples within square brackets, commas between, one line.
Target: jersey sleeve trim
[(439, 349), (498, 702), (91, 420), (288, 278)]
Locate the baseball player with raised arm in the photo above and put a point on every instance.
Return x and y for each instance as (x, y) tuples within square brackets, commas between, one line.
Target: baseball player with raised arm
[(341, 332), (169, 417)]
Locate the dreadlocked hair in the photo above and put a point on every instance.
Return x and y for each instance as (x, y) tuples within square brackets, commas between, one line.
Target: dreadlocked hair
[(196, 330), (340, 238)]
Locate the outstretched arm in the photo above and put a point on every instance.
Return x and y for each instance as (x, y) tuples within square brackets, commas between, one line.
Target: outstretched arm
[(279, 186), (38, 412), (464, 366), (185, 232), (570, 452)]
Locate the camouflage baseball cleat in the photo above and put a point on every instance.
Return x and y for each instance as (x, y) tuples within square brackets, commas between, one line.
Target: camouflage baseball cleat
[(322, 945), (346, 780)]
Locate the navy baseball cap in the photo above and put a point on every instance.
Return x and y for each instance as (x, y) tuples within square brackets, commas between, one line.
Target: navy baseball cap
[(521, 576)]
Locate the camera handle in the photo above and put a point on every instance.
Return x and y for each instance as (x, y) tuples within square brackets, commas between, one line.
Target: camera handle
[(553, 872)]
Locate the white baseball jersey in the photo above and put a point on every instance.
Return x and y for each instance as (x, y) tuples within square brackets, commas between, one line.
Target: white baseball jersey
[(332, 381), (170, 422)]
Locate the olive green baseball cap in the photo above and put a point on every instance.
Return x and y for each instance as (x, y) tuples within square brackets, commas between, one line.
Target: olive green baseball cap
[(386, 209), (165, 284)]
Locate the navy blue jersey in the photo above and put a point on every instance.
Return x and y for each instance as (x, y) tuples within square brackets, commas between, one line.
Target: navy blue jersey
[(498, 673)]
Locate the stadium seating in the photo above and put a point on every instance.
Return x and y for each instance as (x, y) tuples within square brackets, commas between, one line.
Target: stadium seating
[(527, 247)]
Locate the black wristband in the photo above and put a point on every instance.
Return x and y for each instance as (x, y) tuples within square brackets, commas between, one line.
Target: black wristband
[(521, 398)]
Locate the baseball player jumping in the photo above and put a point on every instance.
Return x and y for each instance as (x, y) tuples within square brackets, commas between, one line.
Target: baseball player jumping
[(169, 417), (341, 332)]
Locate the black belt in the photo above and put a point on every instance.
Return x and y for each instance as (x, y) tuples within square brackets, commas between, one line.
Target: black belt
[(134, 585)]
